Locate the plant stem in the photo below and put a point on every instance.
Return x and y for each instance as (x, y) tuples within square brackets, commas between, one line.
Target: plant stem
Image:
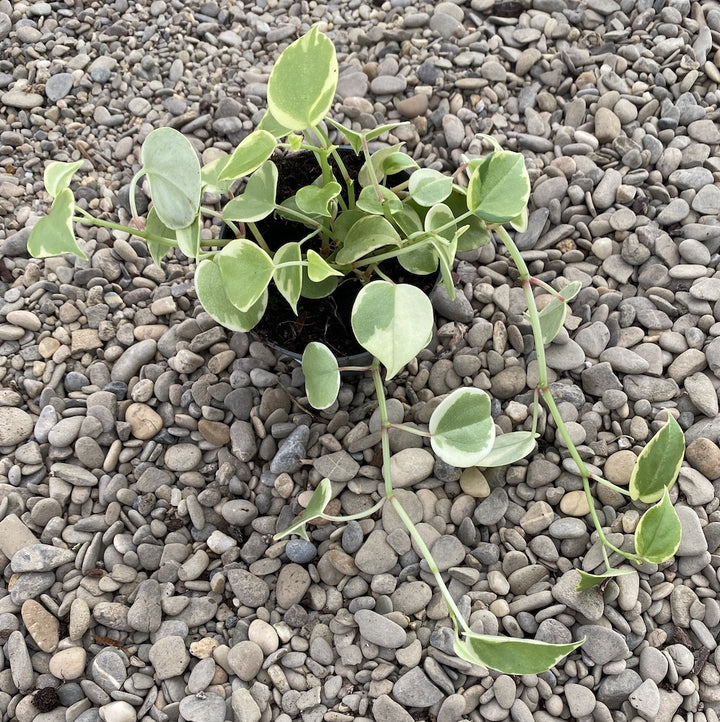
[(359, 515), (89, 220), (411, 430), (384, 426), (259, 238)]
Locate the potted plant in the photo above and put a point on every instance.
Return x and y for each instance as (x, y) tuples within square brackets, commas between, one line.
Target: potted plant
[(350, 228)]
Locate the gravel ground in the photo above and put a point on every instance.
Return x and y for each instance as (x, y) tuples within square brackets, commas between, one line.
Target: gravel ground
[(148, 455)]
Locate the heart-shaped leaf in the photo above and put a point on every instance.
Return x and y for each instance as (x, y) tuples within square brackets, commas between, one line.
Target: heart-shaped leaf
[(393, 322), (210, 176), (318, 269), (58, 175), (302, 83), (246, 272), (376, 160), (318, 501), (188, 239), (156, 227), (499, 187), (366, 235), (428, 187), (271, 124), (211, 294), (509, 448), (461, 427), (659, 531), (376, 200), (355, 139), (53, 233), (258, 200), (252, 152), (659, 463), (173, 172), (552, 318), (317, 200), (288, 278), (322, 376), (588, 581), (512, 656)]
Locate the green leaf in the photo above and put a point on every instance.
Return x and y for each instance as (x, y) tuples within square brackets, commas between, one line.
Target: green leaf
[(376, 160), (317, 200), (552, 318), (393, 322), (428, 187), (58, 175), (355, 139), (211, 294), (659, 463), (366, 235), (246, 272), (317, 289), (499, 187), (407, 220), (477, 234), (369, 201), (252, 152), (520, 223), (322, 376), (258, 200), (173, 172), (571, 290), (188, 239), (446, 255), (269, 123), (318, 268), (397, 162), (421, 259), (318, 501), (512, 656), (509, 448), (588, 581), (461, 427), (343, 223), (53, 233), (210, 176), (154, 225), (289, 279), (659, 531), (302, 83)]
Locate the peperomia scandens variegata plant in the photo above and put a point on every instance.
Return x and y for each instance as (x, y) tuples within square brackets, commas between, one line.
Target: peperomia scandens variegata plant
[(351, 228)]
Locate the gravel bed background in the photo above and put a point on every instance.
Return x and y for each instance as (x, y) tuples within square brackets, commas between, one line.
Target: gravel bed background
[(148, 455)]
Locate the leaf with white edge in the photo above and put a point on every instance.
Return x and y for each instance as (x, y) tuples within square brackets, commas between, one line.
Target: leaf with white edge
[(397, 162), (355, 139), (407, 220), (252, 152), (173, 172), (318, 268), (477, 234), (302, 83), (288, 279), (317, 200), (515, 656), (258, 200), (317, 289), (371, 201), (446, 255), (659, 531), (509, 448), (58, 175), (552, 318), (211, 294), (342, 224), (421, 259), (520, 223), (188, 239), (318, 501), (246, 272), (441, 222), (210, 176), (659, 463), (499, 187), (322, 376), (365, 177), (393, 322), (269, 123), (366, 235), (53, 233), (588, 581), (461, 427), (428, 187), (155, 226)]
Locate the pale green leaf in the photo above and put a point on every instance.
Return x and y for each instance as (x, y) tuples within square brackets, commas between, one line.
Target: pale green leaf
[(173, 172), (514, 656), (322, 376), (571, 290), (659, 463), (269, 123), (421, 259), (246, 272), (53, 233), (252, 152), (302, 83), (520, 223), (317, 289), (154, 225), (461, 427), (477, 234), (210, 176), (188, 239), (211, 294), (396, 163), (407, 220), (58, 175), (355, 139), (375, 200), (318, 268), (365, 177), (509, 448), (499, 187), (552, 318), (318, 501), (588, 581), (258, 200), (393, 322), (428, 187), (288, 279), (366, 235), (659, 531), (317, 200)]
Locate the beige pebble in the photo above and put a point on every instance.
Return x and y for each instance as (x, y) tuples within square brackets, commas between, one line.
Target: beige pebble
[(474, 483), (704, 455), (68, 663), (203, 648), (48, 346), (264, 635), (574, 503), (619, 466), (42, 626), (144, 421), (80, 619)]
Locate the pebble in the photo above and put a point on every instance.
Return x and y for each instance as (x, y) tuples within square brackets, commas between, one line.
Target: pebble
[(380, 630), (169, 657), (414, 689), (16, 426)]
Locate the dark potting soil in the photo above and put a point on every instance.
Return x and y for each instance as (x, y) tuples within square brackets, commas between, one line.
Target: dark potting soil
[(321, 319)]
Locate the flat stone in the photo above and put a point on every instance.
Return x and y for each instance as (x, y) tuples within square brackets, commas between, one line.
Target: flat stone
[(133, 359), (108, 670), (250, 590), (21, 99), (208, 707), (245, 659), (169, 657), (14, 536), (410, 466), (42, 626), (376, 556), (414, 689), (292, 583), (144, 421), (581, 700), (21, 668), (589, 602), (16, 426), (68, 664), (602, 645), (380, 630)]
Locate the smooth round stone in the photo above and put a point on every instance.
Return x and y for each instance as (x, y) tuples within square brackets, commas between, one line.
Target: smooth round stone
[(239, 512), (208, 707), (118, 711), (380, 630), (410, 466), (108, 670), (183, 457), (300, 551), (58, 86), (618, 467), (574, 503), (169, 657), (245, 659), (264, 635), (292, 584), (144, 421), (68, 663), (16, 426)]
